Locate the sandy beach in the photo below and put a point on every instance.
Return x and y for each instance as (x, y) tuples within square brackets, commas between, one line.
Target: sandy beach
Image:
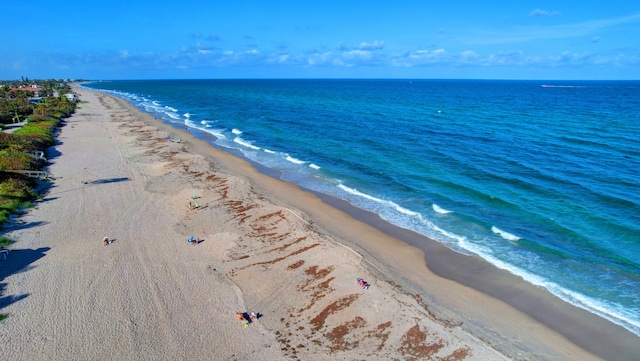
[(268, 247)]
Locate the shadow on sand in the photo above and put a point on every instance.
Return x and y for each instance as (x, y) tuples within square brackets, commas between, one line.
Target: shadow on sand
[(109, 180), (18, 261)]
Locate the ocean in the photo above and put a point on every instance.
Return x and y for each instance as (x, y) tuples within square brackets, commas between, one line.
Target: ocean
[(541, 178)]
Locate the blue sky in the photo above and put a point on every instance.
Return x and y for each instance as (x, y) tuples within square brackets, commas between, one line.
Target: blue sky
[(452, 39)]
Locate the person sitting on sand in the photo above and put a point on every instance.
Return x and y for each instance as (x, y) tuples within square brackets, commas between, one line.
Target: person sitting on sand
[(105, 240)]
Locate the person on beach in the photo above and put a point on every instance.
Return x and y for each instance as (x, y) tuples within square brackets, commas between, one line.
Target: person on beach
[(363, 284), (106, 241), (189, 204)]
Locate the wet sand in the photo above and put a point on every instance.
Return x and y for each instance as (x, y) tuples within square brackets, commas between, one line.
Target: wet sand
[(269, 247)]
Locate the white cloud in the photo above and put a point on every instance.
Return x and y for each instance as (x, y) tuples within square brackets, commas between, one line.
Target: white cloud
[(203, 57), (540, 12), (442, 58), (317, 58), (375, 45), (421, 57), (357, 54)]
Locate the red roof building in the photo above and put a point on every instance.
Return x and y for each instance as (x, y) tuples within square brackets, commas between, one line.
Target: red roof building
[(31, 88)]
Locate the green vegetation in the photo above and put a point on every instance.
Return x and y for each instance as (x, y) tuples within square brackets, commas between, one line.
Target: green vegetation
[(4, 242), (43, 115)]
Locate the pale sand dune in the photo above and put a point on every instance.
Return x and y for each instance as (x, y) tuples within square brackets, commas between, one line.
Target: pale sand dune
[(268, 247)]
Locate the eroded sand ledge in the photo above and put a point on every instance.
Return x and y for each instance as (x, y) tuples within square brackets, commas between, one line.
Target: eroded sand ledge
[(268, 247)]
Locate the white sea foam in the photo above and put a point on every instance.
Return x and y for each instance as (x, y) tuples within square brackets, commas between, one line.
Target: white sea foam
[(218, 133), (269, 151), (311, 165), (404, 210), (186, 115), (355, 192), (378, 200), (173, 115), (614, 313), (617, 315), (236, 131), (506, 235), (440, 210), (245, 143), (448, 234), (294, 160)]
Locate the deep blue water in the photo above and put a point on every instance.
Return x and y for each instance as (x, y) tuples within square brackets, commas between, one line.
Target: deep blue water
[(540, 178)]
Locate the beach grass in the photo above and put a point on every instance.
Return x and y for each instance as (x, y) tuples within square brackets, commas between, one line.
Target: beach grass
[(15, 194), (4, 242)]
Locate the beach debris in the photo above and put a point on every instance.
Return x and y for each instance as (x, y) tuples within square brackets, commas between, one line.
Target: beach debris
[(364, 284)]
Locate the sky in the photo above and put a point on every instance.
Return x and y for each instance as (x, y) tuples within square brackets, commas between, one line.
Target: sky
[(116, 39)]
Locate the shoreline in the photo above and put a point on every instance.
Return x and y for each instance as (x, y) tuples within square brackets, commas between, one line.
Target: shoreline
[(269, 247), (577, 325)]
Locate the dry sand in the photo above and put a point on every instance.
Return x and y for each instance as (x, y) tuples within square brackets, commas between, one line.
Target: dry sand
[(269, 247)]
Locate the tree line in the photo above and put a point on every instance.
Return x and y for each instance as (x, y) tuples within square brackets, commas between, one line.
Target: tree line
[(39, 120)]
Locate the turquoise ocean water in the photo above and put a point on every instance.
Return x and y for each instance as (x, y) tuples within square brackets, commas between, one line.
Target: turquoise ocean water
[(539, 178)]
